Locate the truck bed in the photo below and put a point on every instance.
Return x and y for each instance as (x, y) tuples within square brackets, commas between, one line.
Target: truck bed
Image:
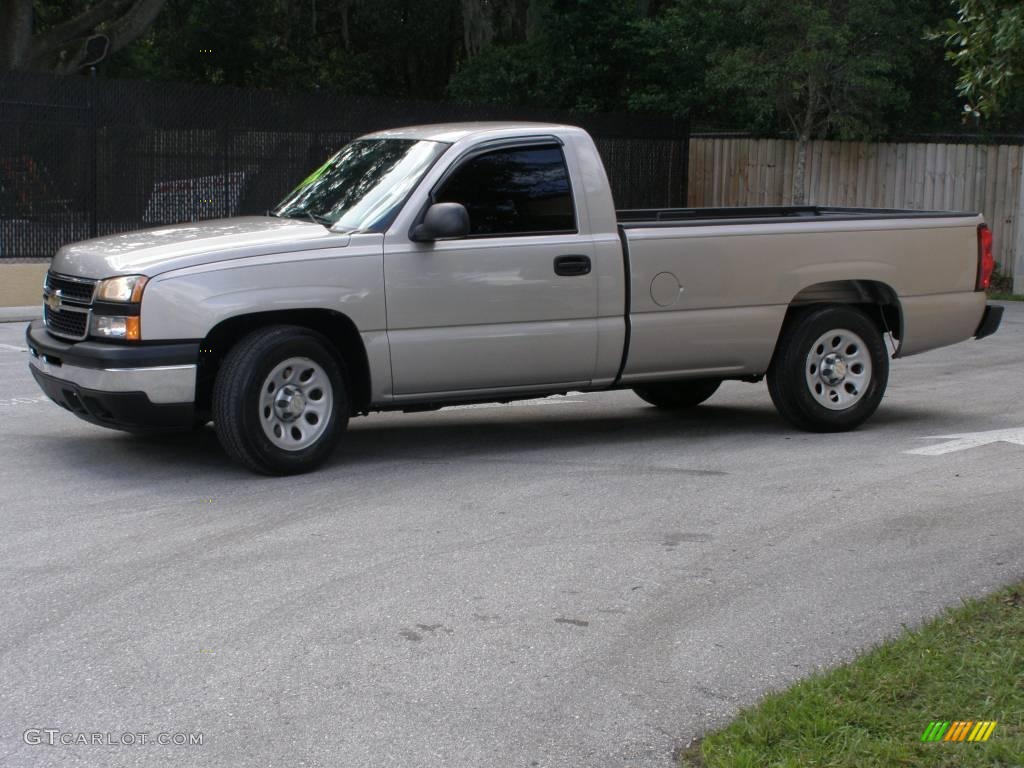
[(675, 217)]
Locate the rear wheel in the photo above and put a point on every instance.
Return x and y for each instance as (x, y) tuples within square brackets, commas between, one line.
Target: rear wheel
[(279, 401), (678, 395), (830, 369)]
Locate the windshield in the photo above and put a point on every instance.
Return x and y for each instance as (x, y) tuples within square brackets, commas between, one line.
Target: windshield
[(362, 186)]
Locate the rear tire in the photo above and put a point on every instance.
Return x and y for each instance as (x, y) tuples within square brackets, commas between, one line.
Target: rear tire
[(830, 369), (280, 402), (678, 395)]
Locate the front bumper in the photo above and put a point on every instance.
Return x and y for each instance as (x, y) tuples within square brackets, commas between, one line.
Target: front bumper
[(118, 386), (990, 321)]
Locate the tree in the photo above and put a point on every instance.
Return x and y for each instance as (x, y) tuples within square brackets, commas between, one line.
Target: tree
[(672, 52), (818, 67), (845, 67), (63, 45), (302, 46), (986, 44), (485, 22), (573, 54)]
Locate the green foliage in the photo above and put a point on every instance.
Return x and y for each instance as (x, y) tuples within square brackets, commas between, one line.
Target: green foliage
[(839, 68), (818, 67), (1001, 287), (578, 55), (986, 44), (603, 55), (673, 51), (394, 47)]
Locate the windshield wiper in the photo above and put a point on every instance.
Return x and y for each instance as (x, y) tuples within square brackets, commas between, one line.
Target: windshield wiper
[(323, 221)]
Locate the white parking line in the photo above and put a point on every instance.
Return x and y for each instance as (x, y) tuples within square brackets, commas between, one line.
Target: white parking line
[(969, 440), (12, 401), (16, 349)]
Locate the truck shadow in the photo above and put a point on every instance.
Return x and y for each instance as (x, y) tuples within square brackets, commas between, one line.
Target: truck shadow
[(444, 435), (488, 434)]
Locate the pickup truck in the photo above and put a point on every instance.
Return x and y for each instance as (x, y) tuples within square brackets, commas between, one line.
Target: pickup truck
[(433, 265)]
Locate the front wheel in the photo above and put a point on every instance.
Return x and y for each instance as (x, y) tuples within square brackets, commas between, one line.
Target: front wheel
[(279, 401), (678, 395), (829, 371)]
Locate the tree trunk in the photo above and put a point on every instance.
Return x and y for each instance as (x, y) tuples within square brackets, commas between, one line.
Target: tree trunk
[(477, 26), (133, 23), (53, 49), (803, 139), (534, 19), (799, 173), (15, 33), (62, 47), (120, 32), (346, 37)]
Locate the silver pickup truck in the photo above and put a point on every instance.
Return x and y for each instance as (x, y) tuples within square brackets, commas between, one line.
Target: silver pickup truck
[(434, 265)]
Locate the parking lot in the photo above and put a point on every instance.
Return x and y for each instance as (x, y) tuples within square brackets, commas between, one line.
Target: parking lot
[(583, 581)]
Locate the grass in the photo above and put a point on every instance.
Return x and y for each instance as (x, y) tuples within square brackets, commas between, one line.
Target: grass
[(1002, 288), (1005, 296), (968, 664)]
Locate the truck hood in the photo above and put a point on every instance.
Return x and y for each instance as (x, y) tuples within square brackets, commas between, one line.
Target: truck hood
[(153, 251)]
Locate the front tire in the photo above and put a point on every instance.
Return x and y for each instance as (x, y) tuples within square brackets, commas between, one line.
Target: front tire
[(279, 401), (830, 369), (678, 395)]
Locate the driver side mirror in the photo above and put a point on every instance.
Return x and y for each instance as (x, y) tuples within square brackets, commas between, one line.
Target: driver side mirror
[(444, 221)]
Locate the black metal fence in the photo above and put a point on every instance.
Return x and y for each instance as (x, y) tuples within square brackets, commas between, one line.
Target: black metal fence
[(84, 156)]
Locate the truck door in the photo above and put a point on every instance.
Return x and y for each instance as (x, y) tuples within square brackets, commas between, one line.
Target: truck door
[(513, 306)]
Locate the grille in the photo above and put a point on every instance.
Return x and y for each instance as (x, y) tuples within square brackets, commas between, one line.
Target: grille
[(71, 289), (72, 319), (66, 322)]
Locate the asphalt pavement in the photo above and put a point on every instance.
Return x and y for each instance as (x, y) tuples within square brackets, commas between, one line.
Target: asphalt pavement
[(585, 581)]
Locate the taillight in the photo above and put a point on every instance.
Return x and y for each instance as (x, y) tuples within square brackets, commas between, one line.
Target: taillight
[(986, 261)]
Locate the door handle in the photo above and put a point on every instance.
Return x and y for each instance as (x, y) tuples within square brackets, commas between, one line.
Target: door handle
[(572, 266)]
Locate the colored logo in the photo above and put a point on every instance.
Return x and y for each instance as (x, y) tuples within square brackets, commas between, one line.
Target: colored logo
[(958, 730)]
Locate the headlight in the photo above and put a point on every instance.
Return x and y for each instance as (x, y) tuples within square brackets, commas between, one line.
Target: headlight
[(122, 289), (116, 327)]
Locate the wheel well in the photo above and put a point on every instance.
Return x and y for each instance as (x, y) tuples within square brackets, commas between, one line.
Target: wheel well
[(878, 300), (337, 328)]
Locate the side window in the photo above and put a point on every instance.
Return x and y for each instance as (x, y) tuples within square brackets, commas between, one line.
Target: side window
[(513, 191)]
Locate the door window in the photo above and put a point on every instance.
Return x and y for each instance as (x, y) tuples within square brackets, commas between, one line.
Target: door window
[(515, 191)]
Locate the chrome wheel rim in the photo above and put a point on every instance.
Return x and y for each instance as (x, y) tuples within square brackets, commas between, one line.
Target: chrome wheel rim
[(295, 405), (838, 369)]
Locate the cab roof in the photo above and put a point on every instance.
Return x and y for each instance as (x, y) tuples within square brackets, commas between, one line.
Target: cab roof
[(452, 132)]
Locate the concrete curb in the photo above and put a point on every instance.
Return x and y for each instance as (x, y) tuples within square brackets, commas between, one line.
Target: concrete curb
[(20, 314)]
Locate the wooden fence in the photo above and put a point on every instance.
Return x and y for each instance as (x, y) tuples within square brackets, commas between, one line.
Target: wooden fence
[(974, 177)]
